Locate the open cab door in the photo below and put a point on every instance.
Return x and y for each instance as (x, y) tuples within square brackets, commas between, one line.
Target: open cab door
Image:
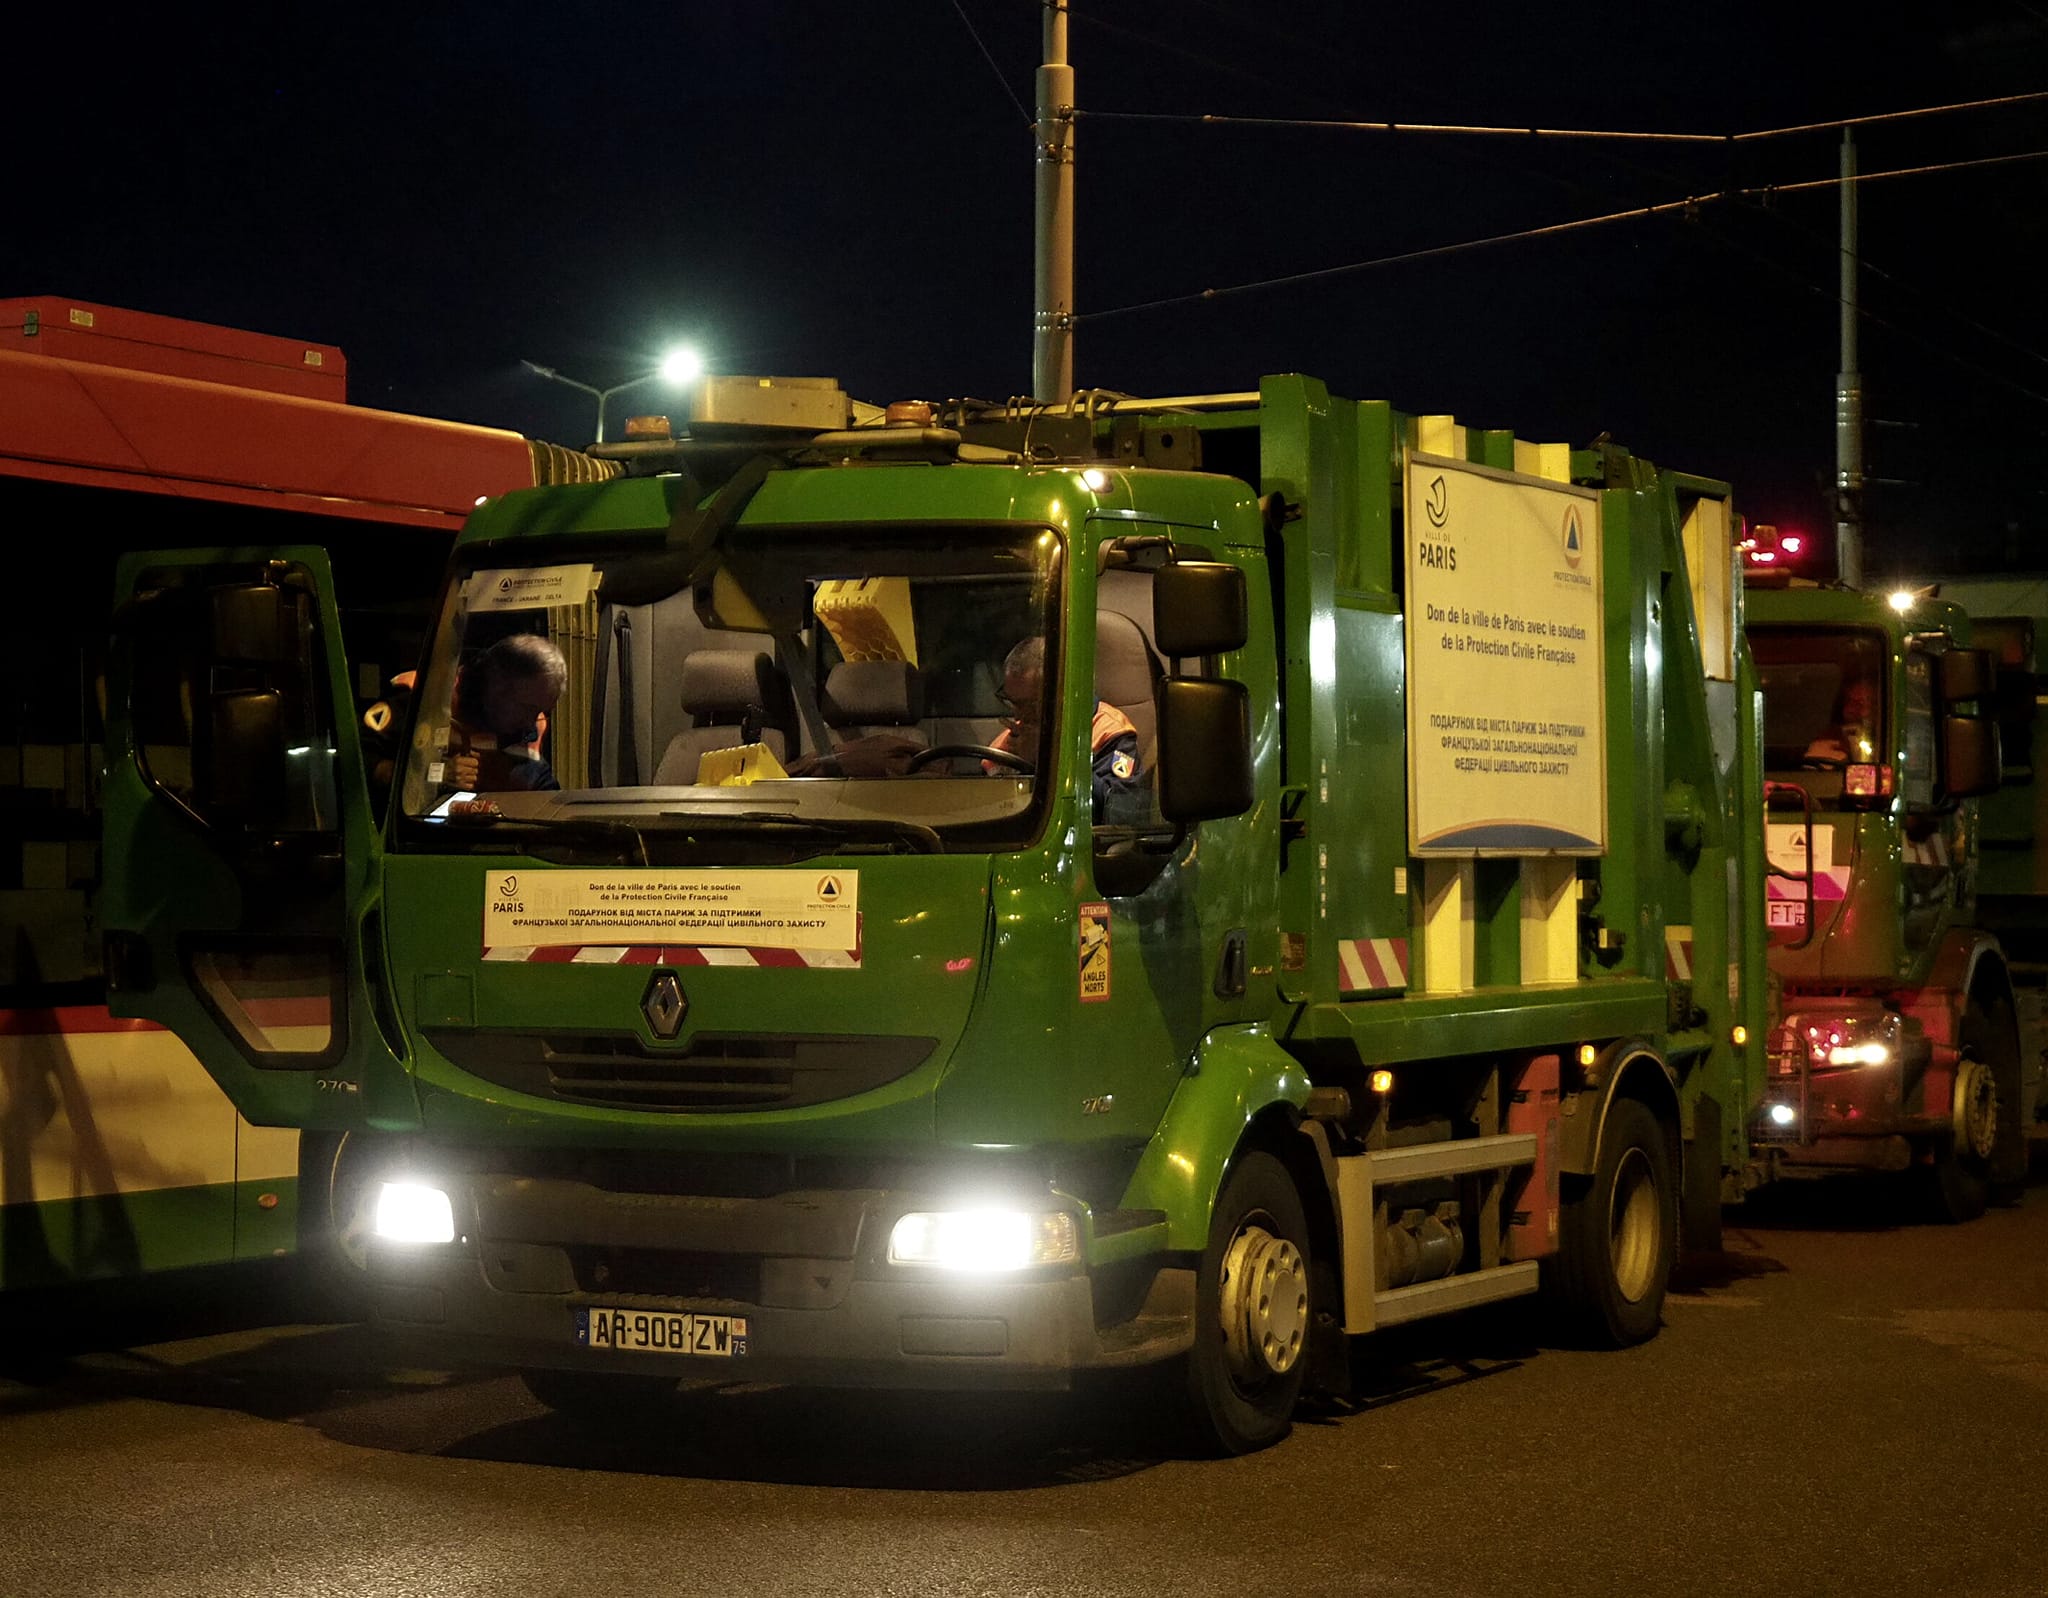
[(239, 906)]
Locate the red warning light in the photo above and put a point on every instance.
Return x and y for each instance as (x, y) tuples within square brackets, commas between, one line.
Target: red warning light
[(1768, 550), (1763, 546)]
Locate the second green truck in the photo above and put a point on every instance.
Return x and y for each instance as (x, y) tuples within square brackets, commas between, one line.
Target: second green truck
[(1896, 1047)]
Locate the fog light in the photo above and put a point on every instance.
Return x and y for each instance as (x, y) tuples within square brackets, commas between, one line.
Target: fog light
[(412, 1212), (984, 1240), (1783, 1115)]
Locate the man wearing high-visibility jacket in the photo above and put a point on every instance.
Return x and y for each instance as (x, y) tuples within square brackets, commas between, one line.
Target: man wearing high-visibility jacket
[(1112, 739)]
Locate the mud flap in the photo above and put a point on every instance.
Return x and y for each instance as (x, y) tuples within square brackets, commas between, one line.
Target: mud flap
[(1699, 1225)]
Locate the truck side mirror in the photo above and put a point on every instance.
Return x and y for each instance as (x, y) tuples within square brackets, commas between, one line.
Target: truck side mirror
[(239, 771), (1967, 674), (1205, 748), (1198, 608), (223, 684), (260, 624), (1970, 756)]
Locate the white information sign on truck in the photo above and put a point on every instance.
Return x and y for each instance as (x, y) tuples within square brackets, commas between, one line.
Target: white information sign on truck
[(1507, 731), (779, 909)]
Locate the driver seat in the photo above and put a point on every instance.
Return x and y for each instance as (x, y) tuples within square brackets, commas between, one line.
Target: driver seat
[(870, 698), (1126, 670)]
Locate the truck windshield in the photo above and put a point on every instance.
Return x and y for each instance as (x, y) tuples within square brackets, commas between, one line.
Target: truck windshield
[(810, 691), (1824, 708)]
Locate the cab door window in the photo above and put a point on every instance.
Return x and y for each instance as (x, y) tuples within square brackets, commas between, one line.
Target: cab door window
[(1918, 782)]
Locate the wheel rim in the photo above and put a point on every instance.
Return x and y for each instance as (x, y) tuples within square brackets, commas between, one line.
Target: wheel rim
[(1263, 1290), (1976, 1109), (1633, 1226)]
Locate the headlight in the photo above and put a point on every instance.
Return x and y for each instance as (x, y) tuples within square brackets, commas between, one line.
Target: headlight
[(1853, 1039), (984, 1240), (412, 1212), (1783, 1115)]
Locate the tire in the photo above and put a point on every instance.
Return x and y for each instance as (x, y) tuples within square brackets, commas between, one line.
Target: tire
[(1972, 1170), (1253, 1311), (2006, 1180), (1617, 1236), (334, 1173), (1953, 1189), (598, 1395)]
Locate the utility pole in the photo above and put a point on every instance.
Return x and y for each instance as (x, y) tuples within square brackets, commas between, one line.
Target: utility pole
[(1849, 477), (1052, 345)]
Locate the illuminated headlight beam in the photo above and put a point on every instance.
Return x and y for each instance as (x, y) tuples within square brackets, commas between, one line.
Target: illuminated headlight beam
[(984, 1240), (413, 1212)]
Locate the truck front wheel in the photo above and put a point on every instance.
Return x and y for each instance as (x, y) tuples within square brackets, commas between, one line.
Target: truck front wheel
[(1250, 1357), (1982, 1158), (335, 1172), (1617, 1235)]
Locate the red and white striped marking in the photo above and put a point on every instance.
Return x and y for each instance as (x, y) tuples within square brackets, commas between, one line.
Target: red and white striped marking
[(1678, 953), (1372, 965), (1931, 852), (674, 954)]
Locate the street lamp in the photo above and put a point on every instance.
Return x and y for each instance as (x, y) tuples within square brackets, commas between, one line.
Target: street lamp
[(679, 369)]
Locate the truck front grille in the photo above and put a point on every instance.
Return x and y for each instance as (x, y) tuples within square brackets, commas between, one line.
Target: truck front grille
[(659, 1273), (713, 1071)]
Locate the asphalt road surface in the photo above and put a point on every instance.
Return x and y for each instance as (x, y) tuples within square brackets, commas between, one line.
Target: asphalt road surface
[(1841, 1403)]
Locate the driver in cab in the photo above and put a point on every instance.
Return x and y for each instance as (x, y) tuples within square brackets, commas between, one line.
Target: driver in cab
[(1851, 740), (502, 700), (1112, 738)]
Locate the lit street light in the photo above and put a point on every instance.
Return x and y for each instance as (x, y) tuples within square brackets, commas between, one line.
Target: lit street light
[(679, 369)]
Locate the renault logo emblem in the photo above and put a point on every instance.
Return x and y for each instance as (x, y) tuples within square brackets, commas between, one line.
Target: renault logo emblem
[(665, 1005)]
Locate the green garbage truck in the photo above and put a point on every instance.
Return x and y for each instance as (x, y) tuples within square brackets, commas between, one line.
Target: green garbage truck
[(963, 896), (1896, 1043)]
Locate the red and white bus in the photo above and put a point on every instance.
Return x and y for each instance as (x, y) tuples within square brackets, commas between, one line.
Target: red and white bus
[(121, 430)]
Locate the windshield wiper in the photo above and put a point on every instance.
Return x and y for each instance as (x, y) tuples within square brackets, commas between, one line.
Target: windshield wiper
[(892, 832), (867, 834), (605, 828)]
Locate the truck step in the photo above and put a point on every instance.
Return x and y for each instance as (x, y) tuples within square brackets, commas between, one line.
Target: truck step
[(1400, 1304), (1358, 1178), (1459, 1158)]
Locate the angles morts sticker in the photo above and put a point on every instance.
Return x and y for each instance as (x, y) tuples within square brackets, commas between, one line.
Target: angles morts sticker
[(1094, 953)]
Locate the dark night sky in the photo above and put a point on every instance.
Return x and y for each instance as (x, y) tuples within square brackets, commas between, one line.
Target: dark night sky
[(814, 188)]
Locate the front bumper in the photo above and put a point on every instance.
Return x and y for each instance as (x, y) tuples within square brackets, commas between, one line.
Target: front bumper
[(807, 1271), (1851, 1117)]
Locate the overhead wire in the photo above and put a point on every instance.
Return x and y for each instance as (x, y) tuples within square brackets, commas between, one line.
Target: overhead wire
[(973, 33), (1346, 125), (1451, 157), (1551, 229), (1757, 195)]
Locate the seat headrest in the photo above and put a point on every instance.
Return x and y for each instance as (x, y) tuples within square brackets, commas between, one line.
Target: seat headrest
[(885, 693), (1125, 667), (722, 685)]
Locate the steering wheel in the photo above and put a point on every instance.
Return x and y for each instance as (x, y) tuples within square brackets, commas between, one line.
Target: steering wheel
[(1001, 757), (1822, 763)]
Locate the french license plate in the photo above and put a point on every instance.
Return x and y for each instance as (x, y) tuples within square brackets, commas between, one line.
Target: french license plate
[(646, 1331), (1785, 913)]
